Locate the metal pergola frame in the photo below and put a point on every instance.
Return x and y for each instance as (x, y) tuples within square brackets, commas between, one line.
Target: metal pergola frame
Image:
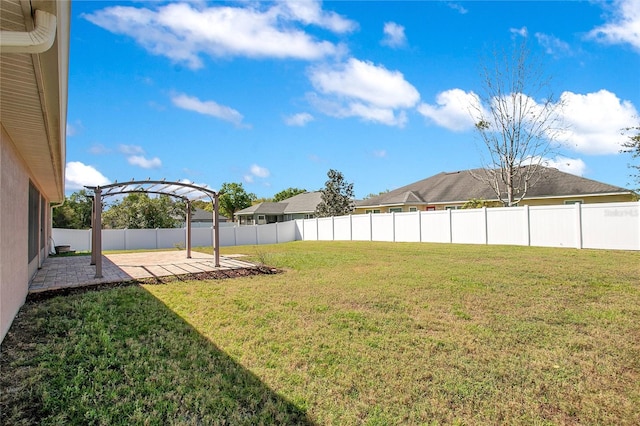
[(185, 191)]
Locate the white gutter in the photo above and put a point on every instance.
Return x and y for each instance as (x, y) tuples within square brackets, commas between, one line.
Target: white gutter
[(37, 41)]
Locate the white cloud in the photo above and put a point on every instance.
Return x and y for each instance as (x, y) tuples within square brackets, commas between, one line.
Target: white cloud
[(182, 31), (145, 163), (394, 35), (623, 27), (553, 45), (130, 149), (74, 129), (453, 109), (575, 166), (343, 109), (522, 32), (260, 172), (381, 153), (211, 108), (99, 149), (79, 175), (248, 178), (458, 7), (594, 121), (311, 13), (366, 82), (362, 89), (300, 119)]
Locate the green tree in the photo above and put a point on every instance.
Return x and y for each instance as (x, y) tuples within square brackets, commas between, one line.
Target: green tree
[(233, 198), (202, 204), (632, 146), (139, 211), (287, 193), (75, 212), (475, 203), (337, 196), (518, 120)]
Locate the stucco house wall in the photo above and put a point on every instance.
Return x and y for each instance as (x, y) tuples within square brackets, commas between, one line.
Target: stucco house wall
[(34, 52), (14, 199)]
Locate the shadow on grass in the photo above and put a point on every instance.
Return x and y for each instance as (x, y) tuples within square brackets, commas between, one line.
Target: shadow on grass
[(120, 356)]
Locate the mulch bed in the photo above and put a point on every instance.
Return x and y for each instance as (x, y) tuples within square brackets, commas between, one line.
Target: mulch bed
[(209, 275)]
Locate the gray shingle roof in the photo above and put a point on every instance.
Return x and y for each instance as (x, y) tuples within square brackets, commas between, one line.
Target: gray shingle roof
[(301, 203), (263, 208), (462, 186), (202, 215)]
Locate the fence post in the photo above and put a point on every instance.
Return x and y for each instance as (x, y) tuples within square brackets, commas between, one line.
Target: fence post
[(257, 235), (370, 226), (317, 230), (486, 224), (527, 217), (333, 228), (450, 226), (393, 226), (419, 225), (578, 208), (350, 227)]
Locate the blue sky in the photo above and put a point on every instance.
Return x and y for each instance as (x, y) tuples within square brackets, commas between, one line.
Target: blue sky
[(274, 94)]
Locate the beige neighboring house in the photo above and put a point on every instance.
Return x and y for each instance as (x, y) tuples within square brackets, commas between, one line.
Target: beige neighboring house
[(301, 206), (453, 190), (34, 56)]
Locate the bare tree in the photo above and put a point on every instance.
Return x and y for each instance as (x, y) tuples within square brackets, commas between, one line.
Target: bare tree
[(518, 120)]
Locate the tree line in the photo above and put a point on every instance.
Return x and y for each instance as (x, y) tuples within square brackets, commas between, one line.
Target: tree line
[(140, 211)]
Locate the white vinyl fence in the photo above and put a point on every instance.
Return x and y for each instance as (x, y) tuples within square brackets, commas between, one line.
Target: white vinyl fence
[(599, 226)]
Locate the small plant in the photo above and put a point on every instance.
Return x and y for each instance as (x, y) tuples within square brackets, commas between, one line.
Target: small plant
[(179, 246), (262, 257)]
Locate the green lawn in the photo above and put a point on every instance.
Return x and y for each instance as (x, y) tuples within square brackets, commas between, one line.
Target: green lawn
[(351, 333)]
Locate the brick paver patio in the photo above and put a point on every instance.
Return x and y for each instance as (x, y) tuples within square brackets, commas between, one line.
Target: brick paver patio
[(76, 271)]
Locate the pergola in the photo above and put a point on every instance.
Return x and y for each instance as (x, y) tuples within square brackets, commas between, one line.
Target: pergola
[(188, 192)]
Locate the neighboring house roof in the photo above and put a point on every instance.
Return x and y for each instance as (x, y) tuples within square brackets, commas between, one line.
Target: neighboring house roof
[(462, 186), (263, 208), (33, 87), (202, 215), (301, 203)]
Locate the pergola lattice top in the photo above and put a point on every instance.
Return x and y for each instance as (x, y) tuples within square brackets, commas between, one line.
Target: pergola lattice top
[(184, 190)]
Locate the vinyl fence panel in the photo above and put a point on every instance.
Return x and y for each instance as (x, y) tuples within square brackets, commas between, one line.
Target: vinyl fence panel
[(407, 227), (611, 226), (508, 226), (78, 239), (342, 228), (168, 238), (382, 227), (553, 226), (469, 226), (436, 226), (325, 228), (287, 232), (361, 227), (203, 237)]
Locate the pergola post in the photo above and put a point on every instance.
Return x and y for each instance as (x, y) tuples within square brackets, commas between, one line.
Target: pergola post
[(188, 229), (216, 230), (93, 231), (97, 230)]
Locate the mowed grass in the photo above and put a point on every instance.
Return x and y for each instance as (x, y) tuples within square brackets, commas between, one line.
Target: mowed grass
[(351, 333)]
